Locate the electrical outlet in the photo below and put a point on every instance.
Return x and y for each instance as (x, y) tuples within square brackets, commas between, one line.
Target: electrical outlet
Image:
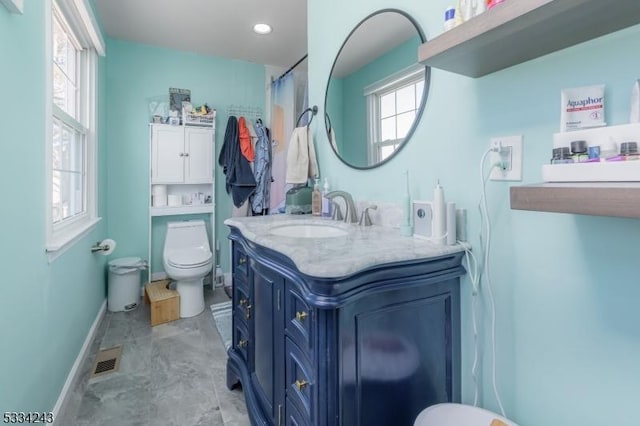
[(507, 152)]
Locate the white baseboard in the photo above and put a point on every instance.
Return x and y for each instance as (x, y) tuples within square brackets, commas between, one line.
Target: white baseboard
[(75, 370)]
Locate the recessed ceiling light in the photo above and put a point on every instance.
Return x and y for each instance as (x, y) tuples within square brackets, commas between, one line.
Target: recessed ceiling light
[(262, 28)]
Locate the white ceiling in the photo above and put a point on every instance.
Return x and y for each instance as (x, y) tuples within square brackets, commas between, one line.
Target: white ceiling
[(224, 28), (212, 27)]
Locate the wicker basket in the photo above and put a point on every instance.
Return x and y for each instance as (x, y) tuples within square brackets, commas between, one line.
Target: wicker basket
[(191, 119)]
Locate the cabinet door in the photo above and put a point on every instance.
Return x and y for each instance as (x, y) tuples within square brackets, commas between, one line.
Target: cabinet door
[(399, 354), (167, 154), (198, 145), (267, 366)]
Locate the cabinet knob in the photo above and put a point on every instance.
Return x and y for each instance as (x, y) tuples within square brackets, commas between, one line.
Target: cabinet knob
[(301, 316), (243, 302), (182, 154), (242, 260), (301, 384), (243, 343), (186, 154)]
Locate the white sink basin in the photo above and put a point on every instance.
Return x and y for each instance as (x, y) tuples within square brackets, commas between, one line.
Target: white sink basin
[(307, 230)]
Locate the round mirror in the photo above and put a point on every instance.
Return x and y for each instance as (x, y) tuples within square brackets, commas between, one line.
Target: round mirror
[(377, 90)]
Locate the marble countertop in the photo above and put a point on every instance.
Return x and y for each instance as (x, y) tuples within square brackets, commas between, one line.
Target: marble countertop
[(361, 248)]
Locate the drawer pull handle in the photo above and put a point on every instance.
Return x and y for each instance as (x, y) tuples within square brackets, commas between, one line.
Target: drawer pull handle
[(242, 260), (301, 384), (248, 314), (301, 316), (243, 343)]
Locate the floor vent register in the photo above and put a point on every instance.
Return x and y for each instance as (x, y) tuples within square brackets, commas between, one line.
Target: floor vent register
[(107, 361)]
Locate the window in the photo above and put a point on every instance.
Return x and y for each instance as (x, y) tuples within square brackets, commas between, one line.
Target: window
[(392, 108), (71, 138)]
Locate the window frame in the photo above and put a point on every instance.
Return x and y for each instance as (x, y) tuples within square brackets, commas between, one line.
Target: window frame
[(78, 18), (405, 77)]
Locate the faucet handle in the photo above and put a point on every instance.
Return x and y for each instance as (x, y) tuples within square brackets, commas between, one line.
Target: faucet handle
[(337, 213), (365, 219)]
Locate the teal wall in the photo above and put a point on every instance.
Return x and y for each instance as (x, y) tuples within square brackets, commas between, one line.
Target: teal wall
[(566, 286), (355, 103), (46, 309), (137, 74)]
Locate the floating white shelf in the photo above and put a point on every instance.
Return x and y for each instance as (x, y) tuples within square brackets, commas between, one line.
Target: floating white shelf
[(169, 211), (520, 30)]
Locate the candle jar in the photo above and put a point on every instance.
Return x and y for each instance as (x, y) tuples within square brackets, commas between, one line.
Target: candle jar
[(629, 150), (579, 151), (561, 156)]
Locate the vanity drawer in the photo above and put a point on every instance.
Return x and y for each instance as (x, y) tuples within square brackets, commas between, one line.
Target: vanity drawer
[(299, 380), (240, 261), (242, 305), (241, 341), (299, 319)]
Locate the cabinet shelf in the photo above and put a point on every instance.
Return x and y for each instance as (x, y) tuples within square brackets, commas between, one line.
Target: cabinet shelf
[(169, 211), (619, 199), (520, 30)]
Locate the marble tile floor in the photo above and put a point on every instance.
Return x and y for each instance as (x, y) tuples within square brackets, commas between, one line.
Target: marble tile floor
[(173, 374)]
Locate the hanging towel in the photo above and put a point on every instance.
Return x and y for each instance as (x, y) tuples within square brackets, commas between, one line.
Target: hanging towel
[(245, 141), (301, 157), (262, 170), (240, 182)]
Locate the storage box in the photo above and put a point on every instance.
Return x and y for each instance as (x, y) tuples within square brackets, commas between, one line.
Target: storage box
[(165, 303)]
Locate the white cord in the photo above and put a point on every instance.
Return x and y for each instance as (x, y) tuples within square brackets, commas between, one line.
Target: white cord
[(474, 277), (487, 273)]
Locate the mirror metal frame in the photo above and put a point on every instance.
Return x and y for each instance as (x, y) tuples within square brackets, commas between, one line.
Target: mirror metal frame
[(427, 83)]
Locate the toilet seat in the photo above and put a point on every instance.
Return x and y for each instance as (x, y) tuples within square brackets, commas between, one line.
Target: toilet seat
[(189, 258)]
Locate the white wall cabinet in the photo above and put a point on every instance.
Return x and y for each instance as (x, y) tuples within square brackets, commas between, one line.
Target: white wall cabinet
[(181, 160), (181, 154)]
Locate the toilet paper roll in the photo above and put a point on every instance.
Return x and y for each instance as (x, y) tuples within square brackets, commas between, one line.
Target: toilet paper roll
[(175, 200), (108, 243), (159, 195)]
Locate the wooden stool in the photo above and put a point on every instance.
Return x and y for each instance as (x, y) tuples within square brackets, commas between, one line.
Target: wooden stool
[(165, 303)]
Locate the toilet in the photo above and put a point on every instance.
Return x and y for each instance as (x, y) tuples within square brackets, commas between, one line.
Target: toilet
[(187, 259), (450, 414)]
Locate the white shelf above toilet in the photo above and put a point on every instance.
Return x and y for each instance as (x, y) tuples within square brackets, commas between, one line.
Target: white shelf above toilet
[(177, 210)]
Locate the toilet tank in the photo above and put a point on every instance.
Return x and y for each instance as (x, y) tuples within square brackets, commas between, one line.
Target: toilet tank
[(186, 234)]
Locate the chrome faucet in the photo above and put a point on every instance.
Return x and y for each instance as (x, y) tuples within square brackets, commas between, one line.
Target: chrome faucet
[(365, 219), (350, 208)]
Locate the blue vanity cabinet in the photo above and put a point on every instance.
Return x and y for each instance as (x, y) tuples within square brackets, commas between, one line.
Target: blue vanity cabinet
[(373, 348)]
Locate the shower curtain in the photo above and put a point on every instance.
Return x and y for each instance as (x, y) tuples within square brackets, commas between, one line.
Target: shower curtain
[(288, 100)]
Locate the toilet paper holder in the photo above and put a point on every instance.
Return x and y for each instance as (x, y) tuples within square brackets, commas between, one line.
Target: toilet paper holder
[(105, 247), (100, 247)]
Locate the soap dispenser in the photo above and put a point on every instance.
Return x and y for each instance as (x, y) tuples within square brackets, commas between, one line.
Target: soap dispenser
[(316, 199), (326, 203)]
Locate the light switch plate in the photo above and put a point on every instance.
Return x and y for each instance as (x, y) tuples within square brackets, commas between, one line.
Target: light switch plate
[(512, 158)]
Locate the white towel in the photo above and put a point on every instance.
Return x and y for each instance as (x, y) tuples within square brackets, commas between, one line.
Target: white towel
[(301, 157)]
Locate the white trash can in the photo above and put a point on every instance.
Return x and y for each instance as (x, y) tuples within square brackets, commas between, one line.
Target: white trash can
[(123, 293)]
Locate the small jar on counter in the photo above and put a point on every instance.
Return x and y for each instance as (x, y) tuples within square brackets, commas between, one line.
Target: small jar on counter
[(561, 156), (629, 150), (579, 151)]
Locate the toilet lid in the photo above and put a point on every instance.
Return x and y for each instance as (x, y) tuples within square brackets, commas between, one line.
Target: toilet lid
[(189, 258)]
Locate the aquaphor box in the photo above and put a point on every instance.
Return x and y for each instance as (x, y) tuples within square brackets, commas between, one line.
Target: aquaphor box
[(422, 219)]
